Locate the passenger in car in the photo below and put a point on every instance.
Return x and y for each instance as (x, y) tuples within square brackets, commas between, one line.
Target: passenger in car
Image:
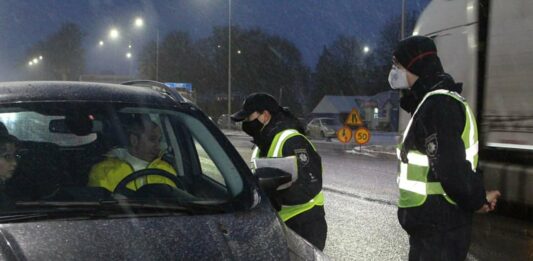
[(8, 163), (143, 152)]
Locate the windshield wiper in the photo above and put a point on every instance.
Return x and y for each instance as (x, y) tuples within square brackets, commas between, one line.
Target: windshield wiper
[(20, 217)]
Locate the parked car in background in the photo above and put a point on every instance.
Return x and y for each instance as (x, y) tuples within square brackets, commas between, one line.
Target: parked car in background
[(323, 127)]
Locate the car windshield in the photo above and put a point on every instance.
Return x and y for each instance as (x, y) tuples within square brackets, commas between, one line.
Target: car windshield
[(330, 122), (74, 151)]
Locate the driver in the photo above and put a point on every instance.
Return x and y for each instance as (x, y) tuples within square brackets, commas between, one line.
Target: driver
[(143, 152)]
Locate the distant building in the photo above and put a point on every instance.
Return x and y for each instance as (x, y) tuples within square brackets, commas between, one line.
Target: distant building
[(184, 89), (379, 112)]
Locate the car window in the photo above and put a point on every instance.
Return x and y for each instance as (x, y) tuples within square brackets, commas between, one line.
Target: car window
[(66, 157), (35, 127), (209, 169), (330, 122)]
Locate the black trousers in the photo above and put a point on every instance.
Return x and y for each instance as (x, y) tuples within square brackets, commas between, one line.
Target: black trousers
[(311, 225), (442, 246)]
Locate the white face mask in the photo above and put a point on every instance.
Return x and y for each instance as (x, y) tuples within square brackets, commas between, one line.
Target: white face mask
[(398, 78)]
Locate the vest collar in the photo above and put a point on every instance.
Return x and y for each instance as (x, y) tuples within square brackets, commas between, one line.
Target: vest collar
[(123, 154), (412, 97)]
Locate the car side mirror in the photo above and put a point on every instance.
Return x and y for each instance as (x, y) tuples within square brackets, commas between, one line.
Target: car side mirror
[(270, 179)]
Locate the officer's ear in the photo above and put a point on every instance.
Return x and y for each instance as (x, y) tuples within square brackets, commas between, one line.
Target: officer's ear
[(265, 116)]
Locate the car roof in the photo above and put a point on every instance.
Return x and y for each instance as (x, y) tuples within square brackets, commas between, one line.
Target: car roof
[(85, 91)]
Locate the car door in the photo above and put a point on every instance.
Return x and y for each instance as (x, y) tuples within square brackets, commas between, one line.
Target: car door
[(312, 128), (322, 128)]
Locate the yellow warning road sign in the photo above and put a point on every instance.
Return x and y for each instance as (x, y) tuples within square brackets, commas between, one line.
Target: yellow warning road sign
[(344, 134), (362, 136), (354, 119)]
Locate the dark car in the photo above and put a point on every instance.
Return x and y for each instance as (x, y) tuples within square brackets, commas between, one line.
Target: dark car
[(213, 209)]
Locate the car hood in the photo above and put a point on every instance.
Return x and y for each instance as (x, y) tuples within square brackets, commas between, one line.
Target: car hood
[(255, 234)]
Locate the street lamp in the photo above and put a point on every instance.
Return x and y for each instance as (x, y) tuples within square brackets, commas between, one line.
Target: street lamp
[(101, 43), (128, 55), (139, 23), (366, 49), (113, 33)]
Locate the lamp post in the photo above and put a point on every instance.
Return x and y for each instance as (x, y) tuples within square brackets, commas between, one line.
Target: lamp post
[(229, 63), (402, 30), (139, 23), (128, 56), (113, 36), (157, 55)]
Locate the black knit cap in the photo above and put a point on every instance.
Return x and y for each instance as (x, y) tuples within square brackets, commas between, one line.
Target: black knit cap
[(256, 102), (418, 54)]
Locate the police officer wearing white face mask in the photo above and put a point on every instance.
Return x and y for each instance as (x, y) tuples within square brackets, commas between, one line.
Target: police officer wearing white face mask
[(277, 133), (440, 186)]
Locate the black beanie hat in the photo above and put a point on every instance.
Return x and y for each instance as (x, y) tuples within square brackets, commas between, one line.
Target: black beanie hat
[(418, 54)]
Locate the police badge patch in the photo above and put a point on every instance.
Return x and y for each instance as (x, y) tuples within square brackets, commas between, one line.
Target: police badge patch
[(303, 156), (432, 145)]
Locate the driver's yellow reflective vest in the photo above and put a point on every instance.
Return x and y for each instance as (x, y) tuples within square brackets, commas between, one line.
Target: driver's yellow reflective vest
[(412, 181), (109, 172), (276, 150)]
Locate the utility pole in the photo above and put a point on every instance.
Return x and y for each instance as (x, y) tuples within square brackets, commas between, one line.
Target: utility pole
[(402, 30), (229, 64)]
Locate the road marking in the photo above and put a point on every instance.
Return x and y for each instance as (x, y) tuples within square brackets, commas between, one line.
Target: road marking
[(361, 197)]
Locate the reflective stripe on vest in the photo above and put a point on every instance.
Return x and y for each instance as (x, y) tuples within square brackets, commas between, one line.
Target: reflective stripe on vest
[(412, 181), (276, 150), (288, 212)]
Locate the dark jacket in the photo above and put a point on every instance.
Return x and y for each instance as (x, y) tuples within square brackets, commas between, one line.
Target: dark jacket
[(309, 182), (441, 120)]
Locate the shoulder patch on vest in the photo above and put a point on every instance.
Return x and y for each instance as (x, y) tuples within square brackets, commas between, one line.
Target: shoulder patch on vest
[(302, 155), (432, 145)]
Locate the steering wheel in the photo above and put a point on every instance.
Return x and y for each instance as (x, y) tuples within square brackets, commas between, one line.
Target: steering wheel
[(122, 189)]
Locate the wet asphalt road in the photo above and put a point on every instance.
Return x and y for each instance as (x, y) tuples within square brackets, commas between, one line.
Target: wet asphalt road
[(361, 193)]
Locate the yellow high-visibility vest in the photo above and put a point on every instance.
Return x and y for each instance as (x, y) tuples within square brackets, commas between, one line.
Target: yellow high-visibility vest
[(276, 150), (412, 180)]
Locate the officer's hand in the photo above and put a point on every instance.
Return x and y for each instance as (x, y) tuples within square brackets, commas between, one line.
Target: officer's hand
[(492, 198)]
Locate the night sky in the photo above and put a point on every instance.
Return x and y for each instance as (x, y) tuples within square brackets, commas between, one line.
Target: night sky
[(309, 24)]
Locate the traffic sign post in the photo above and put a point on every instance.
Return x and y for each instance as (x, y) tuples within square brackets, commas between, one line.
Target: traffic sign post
[(354, 119), (361, 136), (344, 134)]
